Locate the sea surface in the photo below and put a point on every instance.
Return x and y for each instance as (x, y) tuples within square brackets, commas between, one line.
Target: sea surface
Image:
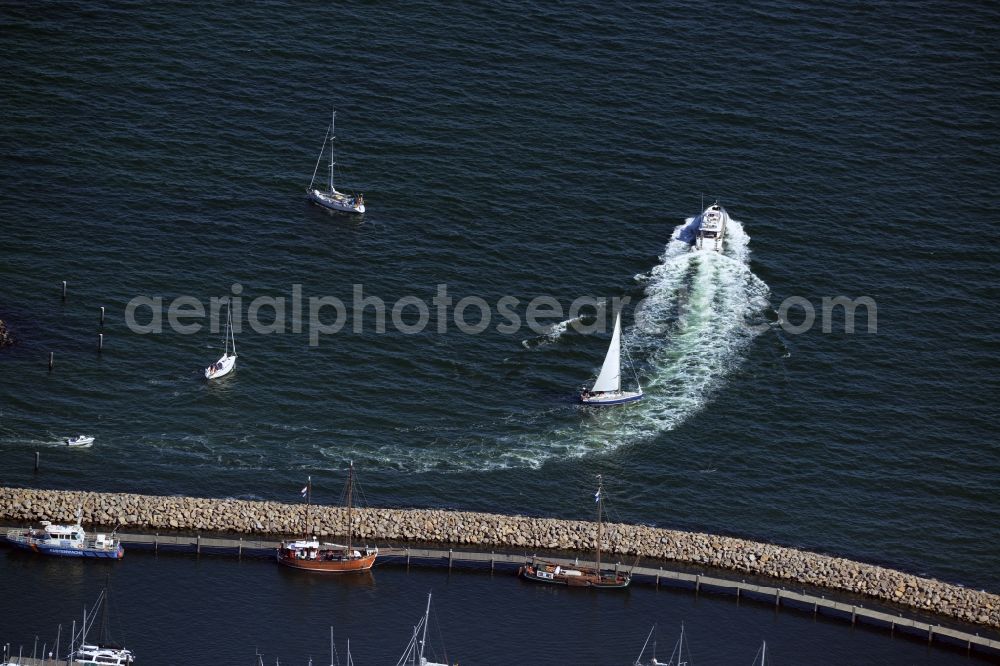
[(511, 152)]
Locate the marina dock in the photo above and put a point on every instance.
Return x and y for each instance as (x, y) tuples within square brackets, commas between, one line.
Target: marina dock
[(781, 597)]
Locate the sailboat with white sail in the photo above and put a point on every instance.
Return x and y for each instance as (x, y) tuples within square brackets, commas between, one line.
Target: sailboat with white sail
[(332, 198), (227, 362), (607, 390)]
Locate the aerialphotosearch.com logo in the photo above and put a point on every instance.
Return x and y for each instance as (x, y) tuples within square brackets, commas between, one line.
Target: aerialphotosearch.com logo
[(411, 315)]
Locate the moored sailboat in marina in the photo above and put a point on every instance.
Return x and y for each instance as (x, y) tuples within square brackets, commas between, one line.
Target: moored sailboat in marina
[(309, 554), (680, 656), (104, 652), (607, 390), (414, 653), (331, 198), (543, 571)]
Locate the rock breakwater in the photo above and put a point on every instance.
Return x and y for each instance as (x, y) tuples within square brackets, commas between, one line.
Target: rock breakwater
[(501, 532)]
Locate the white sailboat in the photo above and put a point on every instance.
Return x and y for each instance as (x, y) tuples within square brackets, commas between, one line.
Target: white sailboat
[(414, 654), (227, 362), (607, 390), (681, 655), (331, 198)]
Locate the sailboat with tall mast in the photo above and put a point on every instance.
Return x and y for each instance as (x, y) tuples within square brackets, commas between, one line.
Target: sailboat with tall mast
[(607, 390), (227, 362), (543, 571), (308, 553), (105, 651), (330, 197), (414, 654)]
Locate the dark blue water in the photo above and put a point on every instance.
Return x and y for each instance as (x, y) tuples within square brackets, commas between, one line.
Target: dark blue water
[(507, 150), (181, 610)]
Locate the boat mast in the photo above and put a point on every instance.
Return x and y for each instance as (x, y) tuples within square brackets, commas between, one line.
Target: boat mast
[(232, 330), (423, 638), (309, 484), (333, 119), (600, 506), (350, 493)]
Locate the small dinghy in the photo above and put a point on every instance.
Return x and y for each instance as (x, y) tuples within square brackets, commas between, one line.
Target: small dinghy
[(331, 198), (227, 362), (80, 441), (607, 389)]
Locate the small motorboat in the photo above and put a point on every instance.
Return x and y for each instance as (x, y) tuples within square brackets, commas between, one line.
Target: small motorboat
[(80, 441)]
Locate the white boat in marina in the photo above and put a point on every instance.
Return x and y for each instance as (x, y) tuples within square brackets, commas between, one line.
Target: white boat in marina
[(681, 655), (80, 441), (105, 655), (607, 390), (332, 198), (711, 232), (414, 654), (227, 362), (104, 652)]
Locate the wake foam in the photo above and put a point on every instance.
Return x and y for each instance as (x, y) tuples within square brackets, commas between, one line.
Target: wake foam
[(699, 313)]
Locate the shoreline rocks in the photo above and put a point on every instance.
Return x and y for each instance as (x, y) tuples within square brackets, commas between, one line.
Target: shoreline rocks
[(500, 532)]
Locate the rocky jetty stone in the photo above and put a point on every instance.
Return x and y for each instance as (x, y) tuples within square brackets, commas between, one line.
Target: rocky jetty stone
[(500, 532)]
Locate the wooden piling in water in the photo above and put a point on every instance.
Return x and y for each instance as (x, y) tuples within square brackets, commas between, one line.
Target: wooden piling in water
[(102, 318), (37, 457), (100, 342), (52, 360), (64, 291)]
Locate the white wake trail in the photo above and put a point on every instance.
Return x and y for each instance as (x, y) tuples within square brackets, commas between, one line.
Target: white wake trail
[(699, 313)]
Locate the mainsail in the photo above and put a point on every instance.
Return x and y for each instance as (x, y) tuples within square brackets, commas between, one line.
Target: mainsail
[(610, 378)]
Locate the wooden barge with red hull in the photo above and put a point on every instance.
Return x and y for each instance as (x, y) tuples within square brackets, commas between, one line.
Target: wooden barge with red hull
[(547, 572), (311, 555)]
